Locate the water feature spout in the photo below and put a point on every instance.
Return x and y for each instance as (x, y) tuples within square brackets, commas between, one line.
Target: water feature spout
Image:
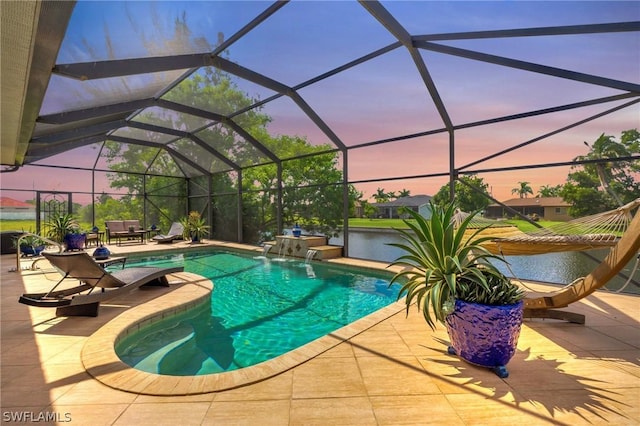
[(285, 244), (266, 248), (310, 255)]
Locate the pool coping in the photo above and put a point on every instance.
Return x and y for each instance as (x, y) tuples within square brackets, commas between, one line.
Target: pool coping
[(100, 360)]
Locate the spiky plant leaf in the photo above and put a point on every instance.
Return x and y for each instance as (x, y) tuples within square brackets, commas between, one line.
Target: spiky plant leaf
[(442, 264)]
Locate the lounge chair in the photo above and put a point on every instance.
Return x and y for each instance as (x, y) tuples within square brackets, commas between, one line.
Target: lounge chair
[(84, 299), (175, 232)]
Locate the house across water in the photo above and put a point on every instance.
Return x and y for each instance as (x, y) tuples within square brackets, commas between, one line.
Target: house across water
[(393, 209), (548, 208)]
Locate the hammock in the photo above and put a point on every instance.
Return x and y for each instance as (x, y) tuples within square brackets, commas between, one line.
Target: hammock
[(615, 228), (585, 233), (621, 254)]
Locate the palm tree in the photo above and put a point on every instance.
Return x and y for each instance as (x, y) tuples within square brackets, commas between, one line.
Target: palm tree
[(605, 147), (404, 193), (380, 196), (523, 190), (549, 191)]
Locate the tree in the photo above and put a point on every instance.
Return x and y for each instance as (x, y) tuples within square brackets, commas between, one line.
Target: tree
[(467, 199), (312, 185), (404, 193), (582, 192), (380, 196), (549, 191), (522, 190), (368, 210), (606, 147), (604, 185), (312, 188)]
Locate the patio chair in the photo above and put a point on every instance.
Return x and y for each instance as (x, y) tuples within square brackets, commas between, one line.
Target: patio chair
[(84, 299), (175, 233)]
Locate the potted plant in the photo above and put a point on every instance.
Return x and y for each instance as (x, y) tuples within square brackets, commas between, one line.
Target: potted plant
[(194, 227), (450, 277), (30, 244), (66, 229)]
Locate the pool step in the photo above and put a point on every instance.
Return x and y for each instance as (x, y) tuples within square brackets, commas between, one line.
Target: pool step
[(326, 252)]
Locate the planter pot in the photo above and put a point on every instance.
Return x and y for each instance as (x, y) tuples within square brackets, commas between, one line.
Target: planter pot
[(485, 335), (75, 241), (31, 251)]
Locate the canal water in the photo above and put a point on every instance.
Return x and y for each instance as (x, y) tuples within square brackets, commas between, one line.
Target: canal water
[(560, 268)]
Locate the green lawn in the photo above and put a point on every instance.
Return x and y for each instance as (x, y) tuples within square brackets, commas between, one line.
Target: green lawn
[(26, 225), (376, 223), (525, 226), (522, 225), (17, 225)]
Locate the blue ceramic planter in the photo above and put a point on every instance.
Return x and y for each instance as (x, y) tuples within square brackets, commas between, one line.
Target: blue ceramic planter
[(31, 251), (485, 335), (75, 241)]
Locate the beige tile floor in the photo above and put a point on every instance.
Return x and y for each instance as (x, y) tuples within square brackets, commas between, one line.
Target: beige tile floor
[(396, 372)]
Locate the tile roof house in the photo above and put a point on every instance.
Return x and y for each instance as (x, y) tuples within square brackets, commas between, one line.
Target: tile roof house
[(390, 210), (548, 208), (14, 209), (11, 209)]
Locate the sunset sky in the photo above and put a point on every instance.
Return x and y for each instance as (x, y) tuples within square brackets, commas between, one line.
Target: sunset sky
[(384, 97)]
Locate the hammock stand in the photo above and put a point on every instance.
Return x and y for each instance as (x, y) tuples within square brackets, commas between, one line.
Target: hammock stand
[(601, 231)]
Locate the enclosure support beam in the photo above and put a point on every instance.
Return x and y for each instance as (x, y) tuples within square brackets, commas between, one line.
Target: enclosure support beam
[(452, 165), (345, 202), (239, 204), (279, 200)]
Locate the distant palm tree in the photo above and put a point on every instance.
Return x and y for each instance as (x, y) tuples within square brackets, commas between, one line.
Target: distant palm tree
[(522, 190), (605, 147), (404, 193), (380, 196), (549, 191)]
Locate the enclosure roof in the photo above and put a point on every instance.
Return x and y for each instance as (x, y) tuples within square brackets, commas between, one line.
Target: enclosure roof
[(77, 74)]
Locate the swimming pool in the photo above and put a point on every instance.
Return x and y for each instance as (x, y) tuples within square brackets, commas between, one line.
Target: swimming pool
[(260, 308)]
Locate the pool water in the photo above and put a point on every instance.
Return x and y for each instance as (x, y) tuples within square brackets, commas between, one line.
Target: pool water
[(260, 308)]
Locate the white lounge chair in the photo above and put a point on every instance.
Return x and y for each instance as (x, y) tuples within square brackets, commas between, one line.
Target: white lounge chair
[(175, 233)]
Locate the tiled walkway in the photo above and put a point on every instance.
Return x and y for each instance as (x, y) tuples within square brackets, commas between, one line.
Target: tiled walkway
[(396, 372)]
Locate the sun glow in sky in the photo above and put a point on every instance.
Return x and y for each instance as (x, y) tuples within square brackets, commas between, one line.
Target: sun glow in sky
[(381, 98)]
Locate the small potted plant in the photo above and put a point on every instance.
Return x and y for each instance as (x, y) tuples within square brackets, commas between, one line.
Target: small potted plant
[(194, 227), (30, 244), (66, 229), (450, 277)]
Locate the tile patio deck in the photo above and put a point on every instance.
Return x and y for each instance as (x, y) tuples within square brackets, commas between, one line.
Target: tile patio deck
[(395, 372)]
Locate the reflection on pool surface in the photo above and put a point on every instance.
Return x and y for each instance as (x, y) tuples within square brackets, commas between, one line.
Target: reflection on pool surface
[(260, 308)]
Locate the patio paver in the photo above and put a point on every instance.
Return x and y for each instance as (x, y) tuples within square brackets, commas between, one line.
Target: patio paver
[(395, 372)]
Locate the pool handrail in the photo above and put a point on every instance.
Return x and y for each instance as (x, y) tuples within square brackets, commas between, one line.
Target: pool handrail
[(46, 240)]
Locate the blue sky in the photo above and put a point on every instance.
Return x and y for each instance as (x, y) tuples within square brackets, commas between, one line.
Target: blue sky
[(385, 97)]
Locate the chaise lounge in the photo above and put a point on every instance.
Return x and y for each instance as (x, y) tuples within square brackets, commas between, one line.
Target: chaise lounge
[(84, 300), (175, 233)]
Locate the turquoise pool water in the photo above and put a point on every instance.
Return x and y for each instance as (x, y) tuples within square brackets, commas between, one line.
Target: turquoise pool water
[(260, 308)]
